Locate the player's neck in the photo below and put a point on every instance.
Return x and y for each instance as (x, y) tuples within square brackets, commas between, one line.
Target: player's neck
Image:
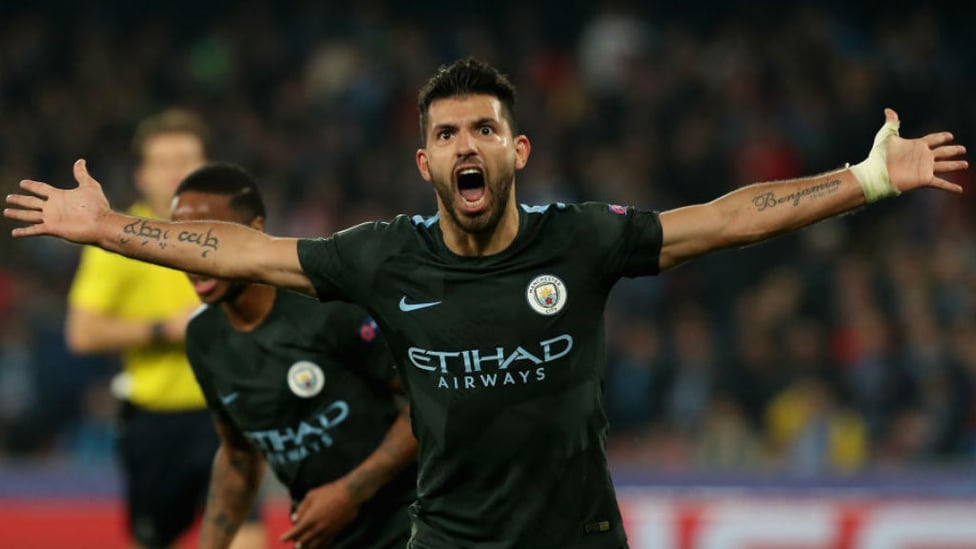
[(249, 309), (497, 240)]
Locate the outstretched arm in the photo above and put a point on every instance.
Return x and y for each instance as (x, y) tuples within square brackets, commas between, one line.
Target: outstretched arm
[(324, 511), (219, 249), (235, 479), (763, 210)]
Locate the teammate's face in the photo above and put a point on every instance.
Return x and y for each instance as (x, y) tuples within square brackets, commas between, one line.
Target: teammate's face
[(166, 159), (471, 158), (198, 206)]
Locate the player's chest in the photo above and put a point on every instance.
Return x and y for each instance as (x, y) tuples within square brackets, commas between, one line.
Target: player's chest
[(263, 383), (494, 330), (429, 298)]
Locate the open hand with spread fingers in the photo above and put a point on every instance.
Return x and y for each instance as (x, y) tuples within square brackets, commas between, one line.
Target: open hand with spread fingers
[(71, 214), (896, 165)]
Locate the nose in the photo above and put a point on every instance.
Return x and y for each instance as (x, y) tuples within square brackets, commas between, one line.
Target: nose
[(465, 143)]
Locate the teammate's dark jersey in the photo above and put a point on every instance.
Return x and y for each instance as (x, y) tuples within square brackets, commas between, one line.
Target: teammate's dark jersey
[(310, 388), (503, 360)]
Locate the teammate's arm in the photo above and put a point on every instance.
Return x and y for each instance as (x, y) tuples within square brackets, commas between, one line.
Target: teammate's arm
[(235, 479), (90, 332), (763, 210), (219, 249), (327, 509)]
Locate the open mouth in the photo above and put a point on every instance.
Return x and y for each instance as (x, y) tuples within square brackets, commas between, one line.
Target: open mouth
[(471, 186), (203, 286)]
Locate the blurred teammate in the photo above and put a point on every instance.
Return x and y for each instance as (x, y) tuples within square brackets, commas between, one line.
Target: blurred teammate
[(494, 310), (166, 440), (308, 386)]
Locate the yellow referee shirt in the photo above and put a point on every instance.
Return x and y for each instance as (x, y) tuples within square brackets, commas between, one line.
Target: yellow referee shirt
[(159, 376)]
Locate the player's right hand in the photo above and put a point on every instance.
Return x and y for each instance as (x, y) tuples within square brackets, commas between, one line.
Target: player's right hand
[(321, 515), (71, 214)]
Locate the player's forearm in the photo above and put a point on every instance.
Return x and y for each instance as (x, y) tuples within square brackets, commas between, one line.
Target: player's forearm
[(234, 484), (760, 211), (397, 450), (214, 248), (754, 213)]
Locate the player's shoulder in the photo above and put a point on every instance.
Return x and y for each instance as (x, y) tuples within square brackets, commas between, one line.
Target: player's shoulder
[(573, 209), (402, 232), (377, 234), (204, 321), (560, 212)]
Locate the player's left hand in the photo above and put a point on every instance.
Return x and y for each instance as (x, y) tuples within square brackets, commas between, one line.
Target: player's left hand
[(70, 214), (321, 515), (914, 163)]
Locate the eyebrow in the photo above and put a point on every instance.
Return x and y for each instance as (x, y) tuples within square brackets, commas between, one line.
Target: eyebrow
[(485, 120), (437, 128)]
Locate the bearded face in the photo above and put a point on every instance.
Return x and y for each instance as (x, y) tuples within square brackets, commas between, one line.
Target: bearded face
[(470, 159), (474, 197)]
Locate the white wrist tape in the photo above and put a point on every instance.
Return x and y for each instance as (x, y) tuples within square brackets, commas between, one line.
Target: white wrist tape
[(872, 173)]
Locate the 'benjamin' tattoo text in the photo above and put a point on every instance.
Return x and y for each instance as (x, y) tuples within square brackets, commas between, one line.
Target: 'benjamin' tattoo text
[(769, 199), (143, 229)]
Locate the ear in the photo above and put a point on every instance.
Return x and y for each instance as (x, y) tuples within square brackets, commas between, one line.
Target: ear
[(522, 149), (423, 164), (257, 223)]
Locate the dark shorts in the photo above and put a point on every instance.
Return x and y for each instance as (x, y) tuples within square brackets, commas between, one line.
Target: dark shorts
[(166, 460)]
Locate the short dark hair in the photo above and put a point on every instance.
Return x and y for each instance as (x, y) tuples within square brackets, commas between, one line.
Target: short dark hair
[(173, 120), (231, 180), (467, 76)]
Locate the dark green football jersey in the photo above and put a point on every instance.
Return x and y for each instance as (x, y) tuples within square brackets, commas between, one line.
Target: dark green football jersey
[(310, 388), (503, 360)]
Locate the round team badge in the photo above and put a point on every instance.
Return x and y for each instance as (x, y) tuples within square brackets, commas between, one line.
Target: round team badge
[(546, 294), (305, 379)]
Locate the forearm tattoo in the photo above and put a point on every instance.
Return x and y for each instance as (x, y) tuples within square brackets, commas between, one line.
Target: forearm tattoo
[(223, 523), (768, 200), (144, 230), (227, 499)]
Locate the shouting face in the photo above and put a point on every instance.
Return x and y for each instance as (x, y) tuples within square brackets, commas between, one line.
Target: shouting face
[(471, 158)]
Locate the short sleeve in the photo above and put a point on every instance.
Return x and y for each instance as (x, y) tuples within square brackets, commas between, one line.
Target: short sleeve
[(630, 239), (343, 265)]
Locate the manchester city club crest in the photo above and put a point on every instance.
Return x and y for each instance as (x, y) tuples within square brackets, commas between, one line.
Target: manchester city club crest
[(546, 294), (305, 379)]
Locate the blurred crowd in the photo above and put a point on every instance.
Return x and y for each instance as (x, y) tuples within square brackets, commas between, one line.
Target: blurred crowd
[(848, 346)]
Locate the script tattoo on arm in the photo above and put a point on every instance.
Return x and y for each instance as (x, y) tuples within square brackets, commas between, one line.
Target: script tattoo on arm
[(143, 229), (205, 240), (768, 200)]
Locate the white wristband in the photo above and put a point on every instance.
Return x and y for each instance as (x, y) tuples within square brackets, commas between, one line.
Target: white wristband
[(872, 173)]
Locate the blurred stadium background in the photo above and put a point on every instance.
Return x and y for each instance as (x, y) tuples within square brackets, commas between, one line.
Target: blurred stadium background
[(815, 391)]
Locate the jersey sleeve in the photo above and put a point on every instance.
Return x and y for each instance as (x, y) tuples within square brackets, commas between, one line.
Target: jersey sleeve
[(629, 239), (99, 281), (341, 266)]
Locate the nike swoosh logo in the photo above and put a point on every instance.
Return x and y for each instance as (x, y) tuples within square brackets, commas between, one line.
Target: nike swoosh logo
[(407, 307), (227, 399)]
